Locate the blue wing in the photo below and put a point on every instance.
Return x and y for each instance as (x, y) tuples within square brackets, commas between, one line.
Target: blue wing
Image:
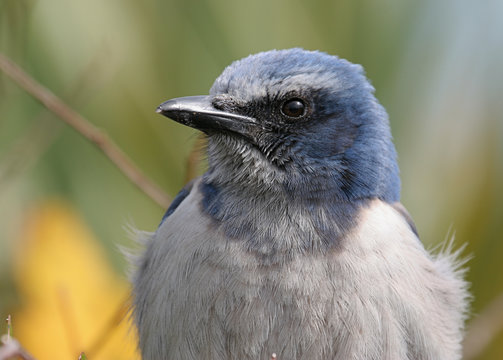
[(405, 214), (178, 200)]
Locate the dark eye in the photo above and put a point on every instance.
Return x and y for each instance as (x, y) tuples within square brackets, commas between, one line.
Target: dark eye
[(293, 108)]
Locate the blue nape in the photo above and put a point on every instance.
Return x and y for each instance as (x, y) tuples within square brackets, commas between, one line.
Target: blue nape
[(211, 201)]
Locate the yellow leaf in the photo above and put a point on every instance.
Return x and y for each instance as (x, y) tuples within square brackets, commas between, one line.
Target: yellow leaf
[(71, 298)]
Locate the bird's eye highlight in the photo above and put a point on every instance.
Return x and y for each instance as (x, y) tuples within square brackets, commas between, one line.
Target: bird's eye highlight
[(293, 108)]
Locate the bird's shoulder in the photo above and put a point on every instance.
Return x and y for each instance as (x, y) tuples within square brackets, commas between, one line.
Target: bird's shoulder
[(182, 195), (405, 215), (382, 227), (384, 218)]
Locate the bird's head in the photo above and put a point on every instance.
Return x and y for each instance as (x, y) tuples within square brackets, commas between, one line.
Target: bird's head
[(302, 122)]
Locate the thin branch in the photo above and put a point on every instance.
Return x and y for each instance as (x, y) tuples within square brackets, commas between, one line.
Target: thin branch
[(87, 129), (9, 347), (68, 317), (120, 314), (483, 329), (25, 150), (9, 326)]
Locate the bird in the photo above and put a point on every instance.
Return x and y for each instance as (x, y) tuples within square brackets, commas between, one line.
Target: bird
[(294, 241)]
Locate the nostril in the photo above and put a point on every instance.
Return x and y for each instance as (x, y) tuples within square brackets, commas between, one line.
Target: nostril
[(226, 102)]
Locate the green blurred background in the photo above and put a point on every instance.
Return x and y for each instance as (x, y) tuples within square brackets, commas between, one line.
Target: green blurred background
[(436, 65)]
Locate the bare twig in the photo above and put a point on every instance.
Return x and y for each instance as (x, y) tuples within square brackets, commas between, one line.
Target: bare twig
[(483, 329), (25, 150), (9, 326), (10, 348), (68, 317), (84, 127), (119, 315)]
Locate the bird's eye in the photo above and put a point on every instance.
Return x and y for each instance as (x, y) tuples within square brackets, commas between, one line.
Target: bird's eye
[(293, 108)]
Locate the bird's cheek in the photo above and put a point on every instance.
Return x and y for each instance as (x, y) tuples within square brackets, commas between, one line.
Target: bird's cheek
[(342, 137)]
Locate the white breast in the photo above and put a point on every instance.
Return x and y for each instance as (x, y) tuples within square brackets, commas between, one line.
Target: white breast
[(380, 295)]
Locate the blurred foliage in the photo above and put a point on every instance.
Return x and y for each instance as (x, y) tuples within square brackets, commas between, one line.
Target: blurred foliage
[(71, 298), (436, 66)]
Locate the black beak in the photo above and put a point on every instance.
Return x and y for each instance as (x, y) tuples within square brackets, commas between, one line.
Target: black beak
[(198, 112)]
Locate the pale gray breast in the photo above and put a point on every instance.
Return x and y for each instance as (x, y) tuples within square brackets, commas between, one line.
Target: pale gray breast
[(200, 295)]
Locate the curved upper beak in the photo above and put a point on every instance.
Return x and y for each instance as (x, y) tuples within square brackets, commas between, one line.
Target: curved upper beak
[(199, 113)]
